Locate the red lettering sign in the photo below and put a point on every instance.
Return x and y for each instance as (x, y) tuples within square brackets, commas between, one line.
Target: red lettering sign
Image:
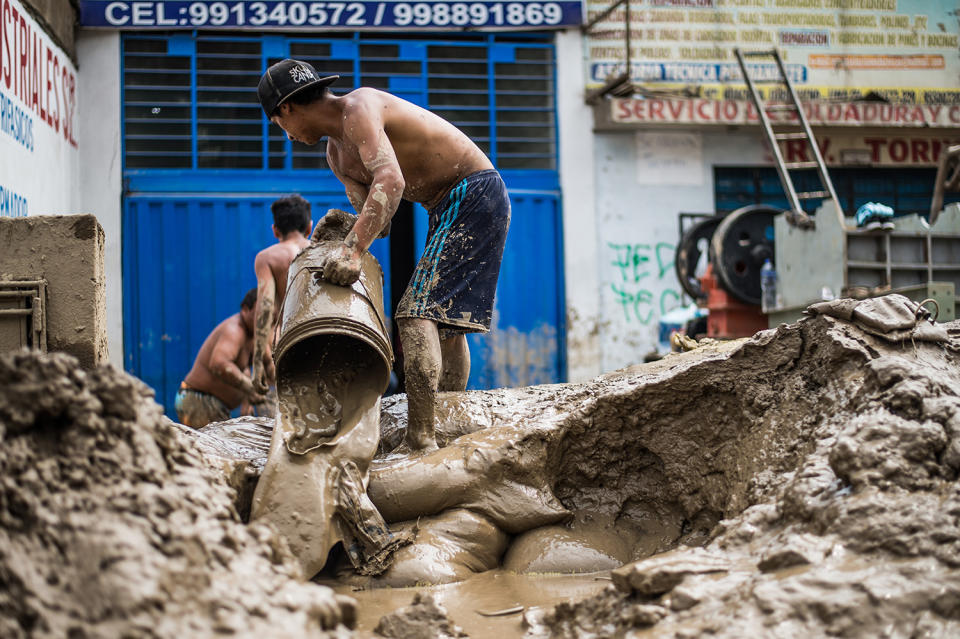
[(45, 85)]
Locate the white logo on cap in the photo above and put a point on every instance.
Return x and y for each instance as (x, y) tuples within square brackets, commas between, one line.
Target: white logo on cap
[(300, 74)]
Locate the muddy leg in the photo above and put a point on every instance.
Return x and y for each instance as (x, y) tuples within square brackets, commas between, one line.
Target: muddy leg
[(456, 363), (421, 369)]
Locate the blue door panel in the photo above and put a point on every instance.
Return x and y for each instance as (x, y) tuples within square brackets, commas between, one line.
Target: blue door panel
[(188, 261), (525, 343), (524, 346), (192, 226)]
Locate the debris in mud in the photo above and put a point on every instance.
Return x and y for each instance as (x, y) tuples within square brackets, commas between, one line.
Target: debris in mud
[(841, 514), (422, 619), (799, 483), (112, 524), (804, 480)]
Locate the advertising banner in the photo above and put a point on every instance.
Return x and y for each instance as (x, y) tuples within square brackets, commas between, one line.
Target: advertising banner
[(273, 14), (832, 49), (39, 158)]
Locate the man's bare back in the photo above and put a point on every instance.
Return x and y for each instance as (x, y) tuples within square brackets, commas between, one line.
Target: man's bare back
[(291, 227), (277, 259), (433, 155)]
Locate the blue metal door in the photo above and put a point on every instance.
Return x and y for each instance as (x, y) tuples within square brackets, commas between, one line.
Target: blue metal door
[(202, 165)]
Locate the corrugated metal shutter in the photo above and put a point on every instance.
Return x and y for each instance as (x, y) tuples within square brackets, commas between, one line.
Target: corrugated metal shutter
[(195, 141)]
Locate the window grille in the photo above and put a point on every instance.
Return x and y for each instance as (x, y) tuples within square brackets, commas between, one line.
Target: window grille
[(190, 99), (907, 190)]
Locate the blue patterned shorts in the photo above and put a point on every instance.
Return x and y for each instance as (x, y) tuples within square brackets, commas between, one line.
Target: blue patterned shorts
[(456, 279)]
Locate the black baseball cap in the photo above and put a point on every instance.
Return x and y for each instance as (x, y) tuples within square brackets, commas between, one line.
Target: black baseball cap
[(285, 78)]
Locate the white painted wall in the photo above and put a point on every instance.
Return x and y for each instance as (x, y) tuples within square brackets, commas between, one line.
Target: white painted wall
[(644, 178), (98, 54), (579, 210)]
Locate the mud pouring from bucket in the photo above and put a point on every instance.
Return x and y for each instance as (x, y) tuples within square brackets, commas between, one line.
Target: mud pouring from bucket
[(333, 361)]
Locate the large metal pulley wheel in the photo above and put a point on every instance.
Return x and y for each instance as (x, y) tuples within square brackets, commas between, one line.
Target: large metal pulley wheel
[(740, 245), (694, 244)]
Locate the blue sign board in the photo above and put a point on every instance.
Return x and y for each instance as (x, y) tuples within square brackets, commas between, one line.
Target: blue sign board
[(233, 14)]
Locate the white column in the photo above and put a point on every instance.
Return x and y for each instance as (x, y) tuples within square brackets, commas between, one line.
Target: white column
[(577, 183), (98, 54)]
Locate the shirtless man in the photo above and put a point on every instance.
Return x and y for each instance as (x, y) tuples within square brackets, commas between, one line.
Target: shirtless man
[(291, 226), (217, 382), (383, 149)]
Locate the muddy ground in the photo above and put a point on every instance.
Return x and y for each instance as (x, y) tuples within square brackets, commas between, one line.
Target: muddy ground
[(800, 483)]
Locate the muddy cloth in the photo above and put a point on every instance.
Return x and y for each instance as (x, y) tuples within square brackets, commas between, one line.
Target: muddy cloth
[(196, 408), (456, 279), (892, 317), (268, 407), (367, 538)]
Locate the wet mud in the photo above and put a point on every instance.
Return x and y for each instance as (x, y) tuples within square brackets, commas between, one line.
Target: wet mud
[(332, 360), (114, 524), (766, 481), (799, 483)]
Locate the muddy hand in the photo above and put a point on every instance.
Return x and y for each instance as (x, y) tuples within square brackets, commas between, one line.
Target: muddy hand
[(259, 380), (342, 267)]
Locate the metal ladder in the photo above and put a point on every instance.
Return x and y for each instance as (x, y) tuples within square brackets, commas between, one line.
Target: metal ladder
[(796, 215)]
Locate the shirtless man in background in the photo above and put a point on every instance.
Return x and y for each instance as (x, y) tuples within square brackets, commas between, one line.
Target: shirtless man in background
[(291, 226), (218, 383), (382, 149)]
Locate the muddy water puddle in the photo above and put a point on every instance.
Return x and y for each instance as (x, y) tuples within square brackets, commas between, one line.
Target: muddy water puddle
[(491, 591)]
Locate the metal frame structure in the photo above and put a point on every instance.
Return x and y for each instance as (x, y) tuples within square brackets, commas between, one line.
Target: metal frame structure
[(29, 298), (796, 215)]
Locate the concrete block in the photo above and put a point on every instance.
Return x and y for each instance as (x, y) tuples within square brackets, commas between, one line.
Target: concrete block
[(67, 252)]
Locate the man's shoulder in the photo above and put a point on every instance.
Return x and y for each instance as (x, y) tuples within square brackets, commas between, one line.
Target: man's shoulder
[(230, 327), (366, 97), (272, 254)]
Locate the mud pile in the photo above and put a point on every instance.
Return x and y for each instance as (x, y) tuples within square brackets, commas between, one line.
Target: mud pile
[(819, 464), (112, 524), (799, 483)]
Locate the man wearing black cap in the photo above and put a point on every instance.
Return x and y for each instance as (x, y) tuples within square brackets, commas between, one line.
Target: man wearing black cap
[(383, 149)]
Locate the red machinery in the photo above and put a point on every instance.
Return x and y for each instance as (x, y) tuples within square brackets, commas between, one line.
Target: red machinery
[(739, 243)]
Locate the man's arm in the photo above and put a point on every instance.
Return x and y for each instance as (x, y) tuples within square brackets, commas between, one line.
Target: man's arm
[(223, 362), (363, 126), (263, 322), (357, 193)]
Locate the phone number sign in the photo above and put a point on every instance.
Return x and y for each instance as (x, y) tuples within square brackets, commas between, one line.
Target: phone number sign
[(216, 14)]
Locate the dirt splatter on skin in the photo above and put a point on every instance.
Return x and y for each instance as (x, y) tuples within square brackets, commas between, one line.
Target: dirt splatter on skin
[(112, 524)]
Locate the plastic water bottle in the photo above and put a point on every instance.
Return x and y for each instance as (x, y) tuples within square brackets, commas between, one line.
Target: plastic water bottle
[(768, 288)]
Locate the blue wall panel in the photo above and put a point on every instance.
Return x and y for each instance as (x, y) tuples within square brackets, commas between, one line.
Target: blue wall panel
[(525, 345), (188, 261), (193, 223)]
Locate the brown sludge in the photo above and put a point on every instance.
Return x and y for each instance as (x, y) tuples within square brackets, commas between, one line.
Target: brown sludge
[(333, 358), (113, 524), (799, 483)]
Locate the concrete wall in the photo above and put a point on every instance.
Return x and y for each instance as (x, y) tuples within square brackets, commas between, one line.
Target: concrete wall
[(66, 251), (59, 20), (101, 186), (579, 221), (643, 179)]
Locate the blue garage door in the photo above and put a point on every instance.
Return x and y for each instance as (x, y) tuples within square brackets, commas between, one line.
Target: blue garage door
[(201, 166)]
